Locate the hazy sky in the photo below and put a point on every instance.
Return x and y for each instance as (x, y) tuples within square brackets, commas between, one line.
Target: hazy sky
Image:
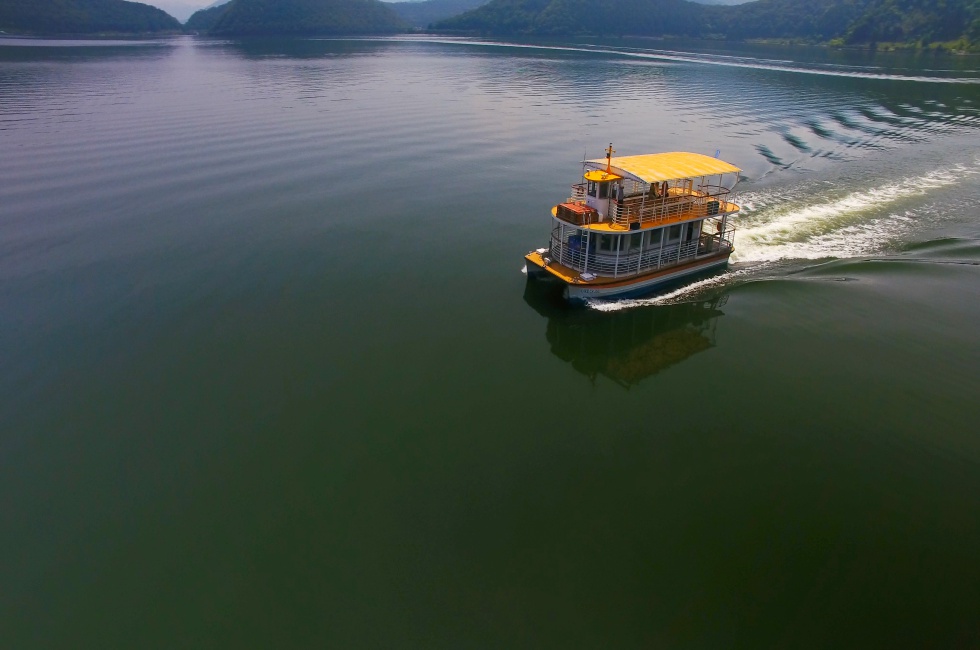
[(179, 9)]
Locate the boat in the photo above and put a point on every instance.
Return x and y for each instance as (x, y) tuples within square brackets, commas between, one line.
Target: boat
[(636, 224)]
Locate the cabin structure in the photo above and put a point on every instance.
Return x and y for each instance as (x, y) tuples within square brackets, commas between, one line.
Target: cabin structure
[(636, 222)]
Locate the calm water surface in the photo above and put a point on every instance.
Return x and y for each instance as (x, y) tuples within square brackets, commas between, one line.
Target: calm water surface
[(272, 376)]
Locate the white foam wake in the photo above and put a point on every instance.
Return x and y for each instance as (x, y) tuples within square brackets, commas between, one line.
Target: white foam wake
[(794, 224), (775, 226), (863, 72), (680, 294)]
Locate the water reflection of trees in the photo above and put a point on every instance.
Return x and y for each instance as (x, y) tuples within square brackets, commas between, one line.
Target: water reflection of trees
[(630, 345), (83, 51), (301, 48)]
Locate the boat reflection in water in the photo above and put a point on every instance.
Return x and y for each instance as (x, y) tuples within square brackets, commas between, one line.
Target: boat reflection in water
[(630, 345)]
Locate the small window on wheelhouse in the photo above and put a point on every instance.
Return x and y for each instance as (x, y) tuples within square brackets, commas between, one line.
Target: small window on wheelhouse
[(603, 190), (591, 188)]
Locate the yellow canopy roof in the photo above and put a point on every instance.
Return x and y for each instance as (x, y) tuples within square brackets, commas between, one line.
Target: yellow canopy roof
[(657, 167)]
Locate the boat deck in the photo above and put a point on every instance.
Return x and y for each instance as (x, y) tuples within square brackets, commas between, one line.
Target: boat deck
[(678, 213), (571, 276)]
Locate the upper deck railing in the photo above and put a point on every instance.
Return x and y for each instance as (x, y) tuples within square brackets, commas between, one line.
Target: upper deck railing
[(650, 207)]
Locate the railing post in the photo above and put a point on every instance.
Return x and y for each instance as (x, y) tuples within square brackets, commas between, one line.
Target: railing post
[(643, 201), (680, 243), (639, 256), (663, 240)]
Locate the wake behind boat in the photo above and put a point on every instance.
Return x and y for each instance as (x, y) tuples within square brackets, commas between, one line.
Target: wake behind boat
[(638, 223)]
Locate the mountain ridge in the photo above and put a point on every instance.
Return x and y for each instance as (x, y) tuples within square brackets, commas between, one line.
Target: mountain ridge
[(422, 14), (853, 22), (71, 17), (305, 17)]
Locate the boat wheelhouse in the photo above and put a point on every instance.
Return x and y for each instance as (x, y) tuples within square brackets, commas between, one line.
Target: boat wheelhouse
[(637, 223)]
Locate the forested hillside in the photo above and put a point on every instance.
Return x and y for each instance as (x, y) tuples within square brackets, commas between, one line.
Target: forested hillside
[(926, 21), (285, 17), (83, 17), (818, 20), (602, 17), (954, 23), (204, 20), (919, 22), (423, 14)]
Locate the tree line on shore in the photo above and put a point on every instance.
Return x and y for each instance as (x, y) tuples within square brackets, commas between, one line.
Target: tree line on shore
[(953, 24), (949, 24)]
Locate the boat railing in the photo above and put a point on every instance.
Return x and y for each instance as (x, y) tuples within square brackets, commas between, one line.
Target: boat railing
[(714, 191), (679, 204), (710, 244), (578, 193), (630, 263)]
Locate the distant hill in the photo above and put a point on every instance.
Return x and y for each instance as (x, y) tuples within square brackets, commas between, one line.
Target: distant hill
[(904, 21), (423, 14), (852, 21), (203, 20), (83, 17), (818, 20), (857, 22), (585, 17), (306, 17)]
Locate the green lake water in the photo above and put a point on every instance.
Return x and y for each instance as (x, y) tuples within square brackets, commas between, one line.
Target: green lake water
[(272, 375)]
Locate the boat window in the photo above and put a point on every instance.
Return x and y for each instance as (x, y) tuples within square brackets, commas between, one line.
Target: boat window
[(655, 236), (674, 232), (591, 190), (609, 243), (635, 240), (603, 190)]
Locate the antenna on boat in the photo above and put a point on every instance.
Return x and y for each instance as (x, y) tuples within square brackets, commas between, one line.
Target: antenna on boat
[(609, 152)]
